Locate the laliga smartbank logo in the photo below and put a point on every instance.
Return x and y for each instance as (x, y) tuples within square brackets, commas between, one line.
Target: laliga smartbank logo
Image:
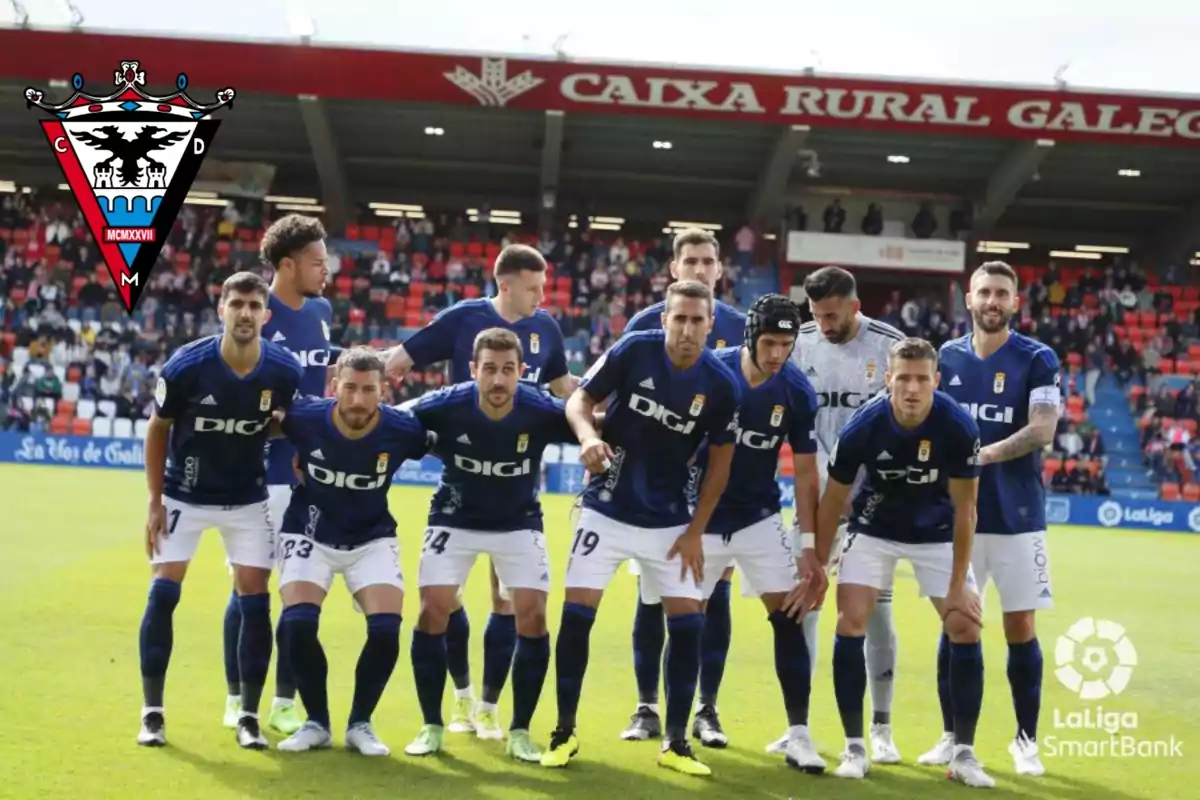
[(1095, 659)]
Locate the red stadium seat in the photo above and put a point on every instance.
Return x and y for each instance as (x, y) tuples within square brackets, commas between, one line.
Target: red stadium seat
[(1074, 359), (412, 319), (60, 426), (66, 408), (1193, 352), (1052, 464), (1169, 491), (81, 427), (457, 251), (1149, 319), (352, 231), (474, 250), (343, 284), (1167, 366), (369, 232), (1131, 319), (1185, 367), (492, 252), (471, 291), (1191, 492), (18, 295), (395, 307)]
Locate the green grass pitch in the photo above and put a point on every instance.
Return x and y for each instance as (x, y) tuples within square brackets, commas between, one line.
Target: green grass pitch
[(73, 582)]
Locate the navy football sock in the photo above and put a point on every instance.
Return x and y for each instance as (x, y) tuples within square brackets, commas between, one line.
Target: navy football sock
[(530, 665), (1025, 669), (945, 699), (850, 682), (791, 667), (682, 669), (1025, 679), (429, 672), (375, 664), (254, 648), (649, 638), (499, 641), (966, 689), (302, 622), (155, 639), (571, 660), (458, 640), (714, 647), (285, 677), (233, 628)]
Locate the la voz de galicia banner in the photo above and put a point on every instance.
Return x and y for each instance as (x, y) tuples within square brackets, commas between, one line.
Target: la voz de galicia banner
[(84, 451)]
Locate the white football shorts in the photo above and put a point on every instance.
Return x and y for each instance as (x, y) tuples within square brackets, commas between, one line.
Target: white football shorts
[(519, 557), (1019, 564), (871, 561), (601, 544), (245, 530), (372, 564)]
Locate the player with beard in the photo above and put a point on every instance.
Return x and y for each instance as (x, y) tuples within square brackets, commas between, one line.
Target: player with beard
[(205, 469), (520, 273), (844, 354), (1010, 384), (300, 319), (338, 523), (697, 257)]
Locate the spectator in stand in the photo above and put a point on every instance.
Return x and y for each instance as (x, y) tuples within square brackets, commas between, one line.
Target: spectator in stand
[(744, 242), (1070, 443), (924, 224), (835, 217), (872, 221), (1060, 481), (1126, 363)]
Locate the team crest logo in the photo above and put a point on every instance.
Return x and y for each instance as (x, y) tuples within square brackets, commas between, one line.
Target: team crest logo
[(381, 464), (923, 450), (522, 442), (871, 370), (998, 383), (776, 416), (130, 159), (264, 400), (697, 405), (720, 343), (535, 343)]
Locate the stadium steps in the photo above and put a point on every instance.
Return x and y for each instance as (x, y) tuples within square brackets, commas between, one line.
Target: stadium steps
[(1127, 475)]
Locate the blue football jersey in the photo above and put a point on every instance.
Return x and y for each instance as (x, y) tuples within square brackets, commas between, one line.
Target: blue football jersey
[(450, 336), (729, 324), (305, 334), (783, 408), (492, 473), (343, 499), (215, 453), (997, 391), (655, 421), (906, 494)]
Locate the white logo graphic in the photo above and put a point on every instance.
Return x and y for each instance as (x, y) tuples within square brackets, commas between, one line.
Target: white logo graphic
[(492, 86), (209, 401), (1194, 519), (1109, 513), (160, 391), (955, 381), (317, 454), (785, 324), (1095, 658), (464, 439), (647, 384), (278, 337), (884, 456)]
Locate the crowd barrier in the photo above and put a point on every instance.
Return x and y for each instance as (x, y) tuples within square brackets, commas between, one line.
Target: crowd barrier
[(85, 451)]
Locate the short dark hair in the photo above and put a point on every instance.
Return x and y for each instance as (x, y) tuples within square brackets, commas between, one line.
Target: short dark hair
[(360, 359), (913, 349), (518, 258), (830, 282), (500, 340), (693, 289), (697, 236), (288, 236), (995, 268), (245, 283)]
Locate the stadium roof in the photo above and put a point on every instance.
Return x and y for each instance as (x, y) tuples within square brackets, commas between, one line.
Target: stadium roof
[(350, 127)]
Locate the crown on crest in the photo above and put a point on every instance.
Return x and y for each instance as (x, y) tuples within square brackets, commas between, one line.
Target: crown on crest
[(129, 96)]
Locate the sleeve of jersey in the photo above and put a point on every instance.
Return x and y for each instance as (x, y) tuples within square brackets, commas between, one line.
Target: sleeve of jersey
[(170, 394), (607, 373), (803, 434), (644, 320), (846, 457), (558, 430), (556, 364), (723, 422), (1045, 380), (291, 421), (294, 374), (964, 458), (434, 342)]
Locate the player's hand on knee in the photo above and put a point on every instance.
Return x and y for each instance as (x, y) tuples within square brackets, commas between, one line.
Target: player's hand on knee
[(809, 593), (156, 529), (690, 549), (596, 455), (965, 601)]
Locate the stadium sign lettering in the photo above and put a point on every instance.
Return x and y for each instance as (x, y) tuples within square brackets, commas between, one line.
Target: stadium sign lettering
[(875, 105), (652, 92), (1045, 115)]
